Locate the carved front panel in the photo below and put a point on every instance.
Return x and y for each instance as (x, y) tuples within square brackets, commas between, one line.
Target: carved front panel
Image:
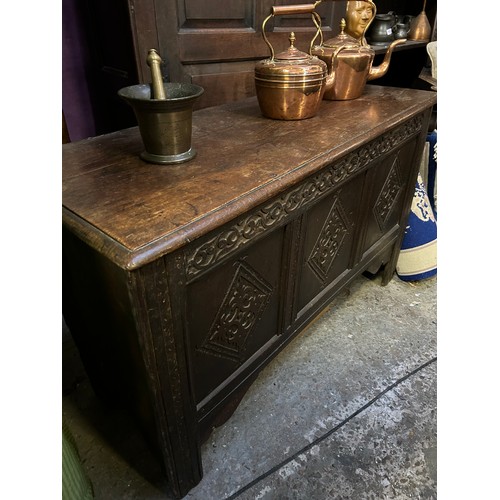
[(233, 311), (388, 181), (330, 241), (242, 307), (328, 229), (388, 197)]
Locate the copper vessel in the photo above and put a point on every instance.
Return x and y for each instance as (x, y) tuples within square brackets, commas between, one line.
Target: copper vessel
[(420, 28), (291, 84), (354, 64)]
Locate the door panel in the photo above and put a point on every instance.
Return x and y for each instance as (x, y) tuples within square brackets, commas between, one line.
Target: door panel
[(231, 86), (203, 12)]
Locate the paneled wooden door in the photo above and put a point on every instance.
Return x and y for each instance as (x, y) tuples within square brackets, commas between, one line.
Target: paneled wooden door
[(216, 43)]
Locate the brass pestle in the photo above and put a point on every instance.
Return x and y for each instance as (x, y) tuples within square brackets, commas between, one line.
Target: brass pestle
[(157, 88)]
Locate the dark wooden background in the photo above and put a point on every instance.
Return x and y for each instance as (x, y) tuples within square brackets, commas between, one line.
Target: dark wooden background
[(213, 43)]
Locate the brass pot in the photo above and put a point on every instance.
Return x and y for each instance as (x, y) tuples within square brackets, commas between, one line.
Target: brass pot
[(354, 64), (165, 124), (291, 85)]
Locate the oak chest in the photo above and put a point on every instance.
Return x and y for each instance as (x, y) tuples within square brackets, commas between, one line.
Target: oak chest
[(181, 282)]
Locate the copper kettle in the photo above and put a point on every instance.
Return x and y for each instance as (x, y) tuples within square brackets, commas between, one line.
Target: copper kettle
[(291, 84), (354, 64)]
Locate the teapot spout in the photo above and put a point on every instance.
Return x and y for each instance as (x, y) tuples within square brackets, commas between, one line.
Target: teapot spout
[(382, 68)]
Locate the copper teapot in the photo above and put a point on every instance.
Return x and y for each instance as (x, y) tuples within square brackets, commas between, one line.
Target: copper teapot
[(354, 64), (291, 84)]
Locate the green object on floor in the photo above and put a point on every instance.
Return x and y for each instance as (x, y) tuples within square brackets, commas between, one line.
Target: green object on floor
[(75, 483)]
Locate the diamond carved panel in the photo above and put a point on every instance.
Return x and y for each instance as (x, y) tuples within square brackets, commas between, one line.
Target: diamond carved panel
[(329, 241), (242, 307), (389, 194)]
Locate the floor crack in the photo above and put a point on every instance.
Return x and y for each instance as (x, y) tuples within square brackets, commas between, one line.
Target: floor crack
[(306, 448)]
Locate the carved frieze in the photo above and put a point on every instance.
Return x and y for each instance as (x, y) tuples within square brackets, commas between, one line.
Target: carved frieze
[(281, 209)]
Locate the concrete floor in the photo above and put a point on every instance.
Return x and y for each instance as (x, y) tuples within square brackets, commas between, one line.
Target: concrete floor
[(346, 411)]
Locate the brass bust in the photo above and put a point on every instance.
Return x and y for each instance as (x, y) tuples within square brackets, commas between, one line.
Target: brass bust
[(359, 15)]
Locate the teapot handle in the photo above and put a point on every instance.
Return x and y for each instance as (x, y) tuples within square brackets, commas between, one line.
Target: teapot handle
[(282, 10)]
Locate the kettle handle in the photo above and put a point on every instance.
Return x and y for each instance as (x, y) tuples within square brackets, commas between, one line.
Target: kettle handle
[(282, 10), (319, 31)]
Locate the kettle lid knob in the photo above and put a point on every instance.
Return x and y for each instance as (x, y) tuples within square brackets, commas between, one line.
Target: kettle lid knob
[(342, 26)]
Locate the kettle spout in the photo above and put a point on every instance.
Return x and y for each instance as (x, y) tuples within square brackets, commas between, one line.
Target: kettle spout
[(382, 68)]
